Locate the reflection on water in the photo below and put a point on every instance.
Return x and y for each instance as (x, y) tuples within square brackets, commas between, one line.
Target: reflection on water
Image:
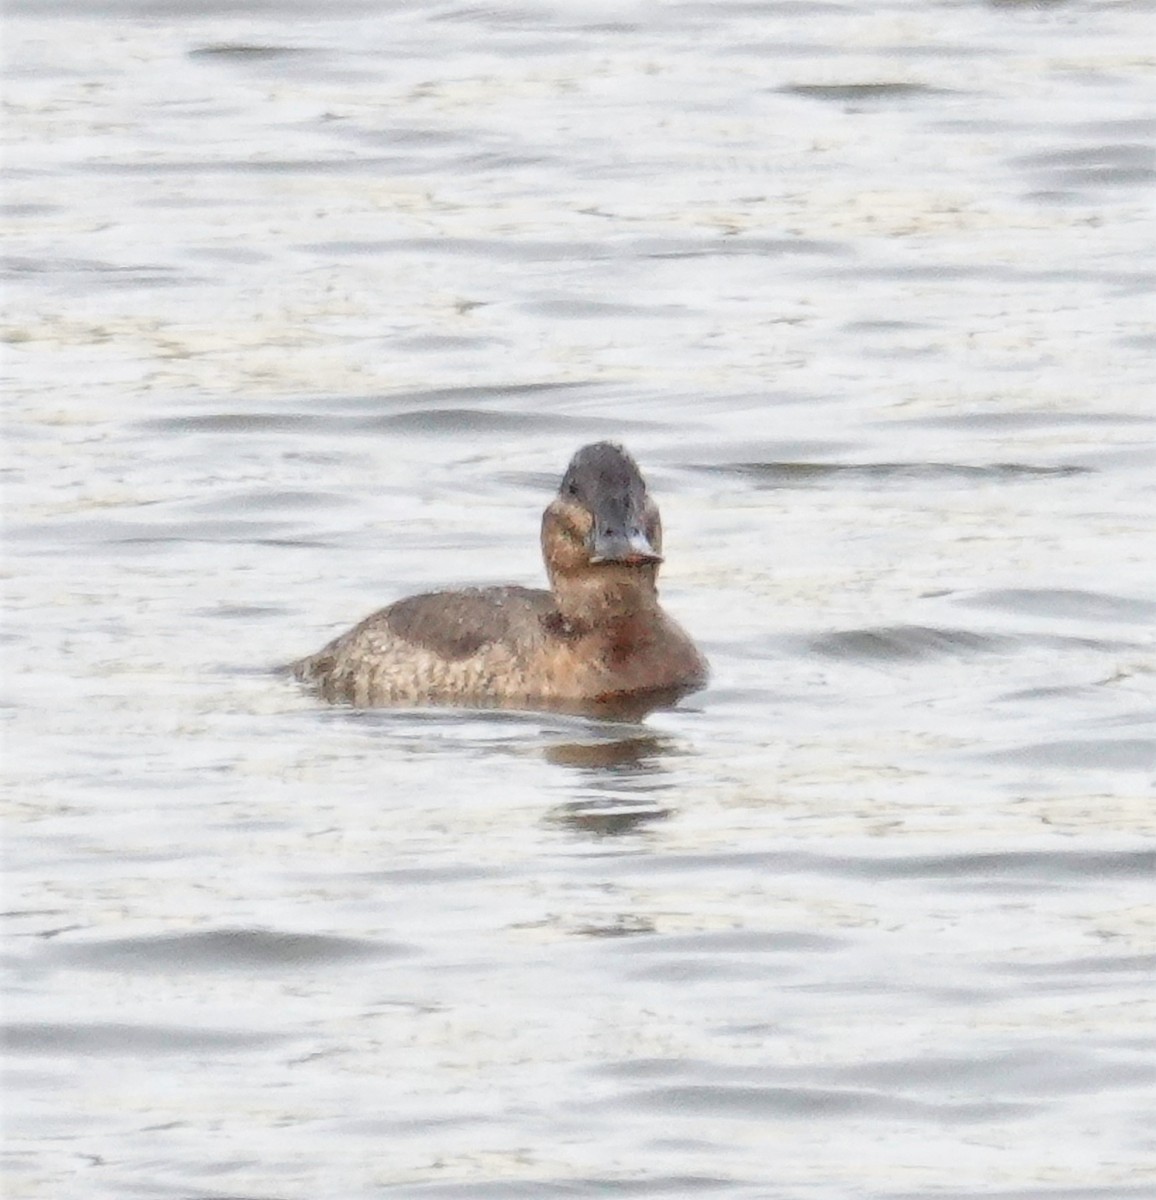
[(626, 757), (306, 304), (623, 779), (606, 816)]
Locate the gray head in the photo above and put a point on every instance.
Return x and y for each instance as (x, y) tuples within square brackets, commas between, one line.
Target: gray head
[(623, 524)]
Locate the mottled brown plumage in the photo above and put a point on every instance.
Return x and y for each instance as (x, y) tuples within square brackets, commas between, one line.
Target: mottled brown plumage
[(597, 641)]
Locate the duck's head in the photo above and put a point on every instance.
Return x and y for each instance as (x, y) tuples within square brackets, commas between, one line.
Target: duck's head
[(602, 535)]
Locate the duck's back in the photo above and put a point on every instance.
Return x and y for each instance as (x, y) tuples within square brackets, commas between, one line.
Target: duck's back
[(474, 646)]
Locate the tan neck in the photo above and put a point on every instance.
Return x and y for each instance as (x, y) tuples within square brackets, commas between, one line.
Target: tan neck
[(605, 595)]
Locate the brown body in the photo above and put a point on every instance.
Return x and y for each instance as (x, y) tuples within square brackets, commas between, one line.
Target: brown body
[(598, 640)]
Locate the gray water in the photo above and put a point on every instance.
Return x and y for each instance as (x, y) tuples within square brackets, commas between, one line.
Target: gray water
[(307, 307)]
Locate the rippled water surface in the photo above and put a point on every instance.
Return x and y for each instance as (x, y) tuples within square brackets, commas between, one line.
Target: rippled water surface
[(307, 307)]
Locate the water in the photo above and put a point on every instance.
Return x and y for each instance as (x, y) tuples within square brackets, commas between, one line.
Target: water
[(307, 308)]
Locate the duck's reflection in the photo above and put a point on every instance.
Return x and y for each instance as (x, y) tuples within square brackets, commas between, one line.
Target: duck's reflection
[(622, 776), (608, 818), (627, 755)]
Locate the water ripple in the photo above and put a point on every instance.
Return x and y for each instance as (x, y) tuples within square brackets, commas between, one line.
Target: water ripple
[(915, 474), (106, 1038), (221, 950)]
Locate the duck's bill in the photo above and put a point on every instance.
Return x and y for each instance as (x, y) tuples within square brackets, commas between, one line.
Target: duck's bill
[(633, 548)]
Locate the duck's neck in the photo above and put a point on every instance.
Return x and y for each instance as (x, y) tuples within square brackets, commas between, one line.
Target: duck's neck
[(605, 596)]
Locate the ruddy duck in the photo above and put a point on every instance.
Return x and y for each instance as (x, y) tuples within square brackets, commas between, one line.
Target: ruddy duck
[(596, 641)]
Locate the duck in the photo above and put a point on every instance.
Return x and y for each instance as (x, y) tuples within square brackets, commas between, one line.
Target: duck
[(597, 641)]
